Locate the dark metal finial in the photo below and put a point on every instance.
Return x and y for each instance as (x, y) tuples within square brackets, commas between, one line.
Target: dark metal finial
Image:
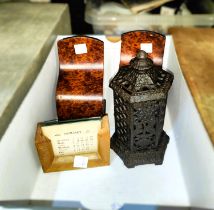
[(141, 62), (141, 54)]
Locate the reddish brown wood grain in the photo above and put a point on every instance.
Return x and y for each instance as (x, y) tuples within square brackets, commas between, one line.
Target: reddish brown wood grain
[(79, 92), (130, 45)]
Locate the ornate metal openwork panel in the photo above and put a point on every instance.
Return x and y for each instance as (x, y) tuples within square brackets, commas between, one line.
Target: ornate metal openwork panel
[(148, 124), (121, 113)]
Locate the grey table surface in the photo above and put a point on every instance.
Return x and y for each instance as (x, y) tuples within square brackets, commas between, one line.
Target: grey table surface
[(27, 32)]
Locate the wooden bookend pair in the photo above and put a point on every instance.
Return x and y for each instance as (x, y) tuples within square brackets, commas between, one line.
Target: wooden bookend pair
[(77, 140)]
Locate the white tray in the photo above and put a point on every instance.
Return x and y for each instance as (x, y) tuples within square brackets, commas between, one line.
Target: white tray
[(186, 177)]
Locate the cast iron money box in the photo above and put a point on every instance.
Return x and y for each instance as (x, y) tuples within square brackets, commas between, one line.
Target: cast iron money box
[(140, 96)]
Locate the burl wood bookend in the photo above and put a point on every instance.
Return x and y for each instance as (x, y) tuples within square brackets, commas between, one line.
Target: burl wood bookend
[(80, 137), (79, 91)]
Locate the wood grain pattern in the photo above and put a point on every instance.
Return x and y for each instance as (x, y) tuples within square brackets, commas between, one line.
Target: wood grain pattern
[(44, 149), (79, 92), (50, 163), (130, 45), (195, 50)]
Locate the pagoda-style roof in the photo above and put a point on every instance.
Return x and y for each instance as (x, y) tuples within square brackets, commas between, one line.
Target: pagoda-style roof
[(141, 80)]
